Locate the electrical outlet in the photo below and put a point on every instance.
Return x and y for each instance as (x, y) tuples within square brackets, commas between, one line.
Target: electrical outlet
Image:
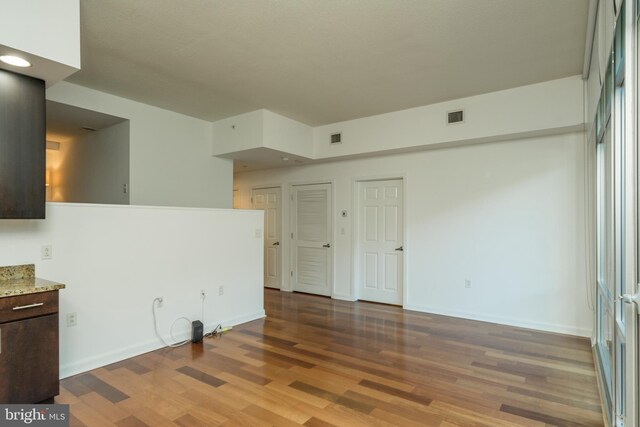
[(202, 294), (221, 290), (160, 302), (72, 319), (467, 283), (46, 252), (258, 233)]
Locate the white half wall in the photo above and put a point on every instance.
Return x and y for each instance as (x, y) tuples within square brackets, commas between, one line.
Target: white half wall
[(171, 162), (509, 216), (116, 259)]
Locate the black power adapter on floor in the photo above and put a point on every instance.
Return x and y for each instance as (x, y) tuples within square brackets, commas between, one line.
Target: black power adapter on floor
[(196, 331)]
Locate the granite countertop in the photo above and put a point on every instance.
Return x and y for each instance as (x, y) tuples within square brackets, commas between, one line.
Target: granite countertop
[(21, 280)]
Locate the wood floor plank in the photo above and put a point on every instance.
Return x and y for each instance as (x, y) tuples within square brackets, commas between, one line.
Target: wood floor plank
[(539, 416), (320, 362), (131, 421), (104, 407), (315, 422), (106, 390), (145, 413), (200, 376)]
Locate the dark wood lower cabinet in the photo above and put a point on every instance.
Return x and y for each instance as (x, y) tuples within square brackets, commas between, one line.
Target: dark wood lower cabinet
[(29, 356)]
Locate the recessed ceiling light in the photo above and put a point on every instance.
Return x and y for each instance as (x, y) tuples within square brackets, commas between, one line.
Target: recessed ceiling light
[(15, 60), (285, 159)]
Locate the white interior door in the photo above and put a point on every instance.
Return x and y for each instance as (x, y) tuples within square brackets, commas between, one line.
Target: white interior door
[(268, 200), (380, 241), (312, 234)]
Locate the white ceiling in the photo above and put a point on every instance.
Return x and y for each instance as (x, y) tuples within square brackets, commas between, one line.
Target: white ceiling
[(323, 61), (264, 158)]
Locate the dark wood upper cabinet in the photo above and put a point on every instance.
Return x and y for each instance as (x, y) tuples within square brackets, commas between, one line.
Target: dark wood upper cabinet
[(22, 147)]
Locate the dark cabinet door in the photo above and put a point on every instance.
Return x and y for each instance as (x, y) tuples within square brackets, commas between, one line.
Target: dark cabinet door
[(22, 146), (29, 360)]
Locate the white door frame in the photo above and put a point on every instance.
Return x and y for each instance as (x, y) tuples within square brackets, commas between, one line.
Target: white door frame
[(280, 224), (236, 203), (632, 216), (331, 200), (355, 223)]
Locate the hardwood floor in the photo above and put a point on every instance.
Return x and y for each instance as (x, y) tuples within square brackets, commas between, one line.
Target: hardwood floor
[(320, 362)]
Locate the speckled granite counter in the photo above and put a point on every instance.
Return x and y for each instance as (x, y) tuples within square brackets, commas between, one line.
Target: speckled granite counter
[(21, 280)]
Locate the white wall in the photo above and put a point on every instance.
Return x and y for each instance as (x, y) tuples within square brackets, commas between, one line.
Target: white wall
[(550, 107), (262, 129), (116, 259), (170, 153), (508, 216), (533, 110), (92, 168), (45, 28), (45, 32), (287, 135), (238, 133)]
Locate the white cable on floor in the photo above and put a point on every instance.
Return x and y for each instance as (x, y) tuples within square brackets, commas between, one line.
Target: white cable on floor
[(155, 327)]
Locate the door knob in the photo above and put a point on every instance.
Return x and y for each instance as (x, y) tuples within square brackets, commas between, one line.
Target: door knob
[(328, 245), (276, 244), (401, 249)]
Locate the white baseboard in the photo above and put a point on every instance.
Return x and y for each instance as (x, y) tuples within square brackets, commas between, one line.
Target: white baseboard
[(98, 361), (244, 318), (343, 297), (541, 326)]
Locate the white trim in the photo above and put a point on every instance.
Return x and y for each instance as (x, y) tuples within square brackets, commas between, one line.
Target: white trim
[(318, 181), (591, 32), (141, 207), (509, 321), (104, 359), (344, 297), (266, 187)]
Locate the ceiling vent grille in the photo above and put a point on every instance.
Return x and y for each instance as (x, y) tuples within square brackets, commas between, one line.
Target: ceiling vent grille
[(455, 117), (336, 138)]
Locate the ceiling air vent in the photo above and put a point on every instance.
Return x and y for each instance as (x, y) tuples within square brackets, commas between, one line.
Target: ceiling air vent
[(336, 138), (454, 117)]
